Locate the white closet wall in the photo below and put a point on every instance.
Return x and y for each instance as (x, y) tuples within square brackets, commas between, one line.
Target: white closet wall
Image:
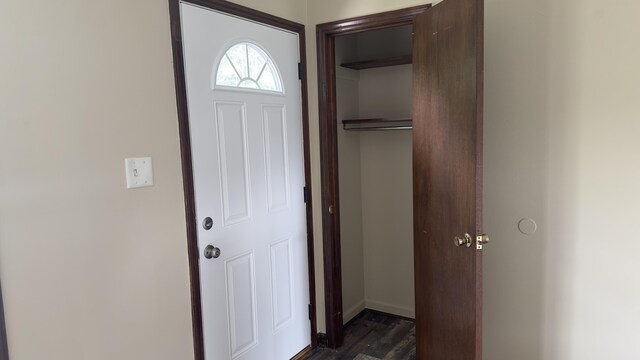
[(347, 90), (386, 173), (376, 208)]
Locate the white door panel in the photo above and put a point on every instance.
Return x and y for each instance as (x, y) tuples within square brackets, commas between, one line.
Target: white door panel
[(248, 167)]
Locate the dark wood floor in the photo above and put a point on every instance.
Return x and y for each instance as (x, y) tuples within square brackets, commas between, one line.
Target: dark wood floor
[(374, 336)]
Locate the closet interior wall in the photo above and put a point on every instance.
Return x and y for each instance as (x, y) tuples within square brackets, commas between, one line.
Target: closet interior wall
[(375, 168)]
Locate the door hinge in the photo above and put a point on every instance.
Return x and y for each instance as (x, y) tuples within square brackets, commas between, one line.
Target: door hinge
[(310, 312), (299, 71), (174, 30), (305, 191)]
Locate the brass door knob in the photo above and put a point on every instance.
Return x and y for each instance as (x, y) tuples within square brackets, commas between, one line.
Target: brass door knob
[(467, 240), (463, 241)]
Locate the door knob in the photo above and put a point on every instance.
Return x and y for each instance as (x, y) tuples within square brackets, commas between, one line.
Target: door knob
[(467, 240), (211, 252), (463, 241)]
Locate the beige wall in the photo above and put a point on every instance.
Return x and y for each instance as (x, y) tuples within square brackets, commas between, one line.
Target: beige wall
[(561, 147), (387, 213), (376, 218), (387, 188), (350, 182), (89, 269)]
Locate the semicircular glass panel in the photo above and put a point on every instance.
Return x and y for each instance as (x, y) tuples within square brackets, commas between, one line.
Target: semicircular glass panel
[(247, 66)]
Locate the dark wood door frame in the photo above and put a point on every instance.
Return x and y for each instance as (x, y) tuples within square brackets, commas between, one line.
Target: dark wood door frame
[(325, 36), (4, 347), (187, 165)]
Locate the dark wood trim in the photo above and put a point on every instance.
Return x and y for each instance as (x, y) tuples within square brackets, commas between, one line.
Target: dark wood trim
[(479, 167), (383, 20), (187, 176), (325, 37), (375, 63), (305, 353), (187, 164), (329, 185), (4, 346), (307, 175), (247, 13)]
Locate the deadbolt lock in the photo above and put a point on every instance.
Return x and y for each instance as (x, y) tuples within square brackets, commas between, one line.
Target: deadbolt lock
[(207, 223)]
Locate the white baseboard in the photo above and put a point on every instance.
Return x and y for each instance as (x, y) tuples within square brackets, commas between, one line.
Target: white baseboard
[(351, 312), (391, 309)]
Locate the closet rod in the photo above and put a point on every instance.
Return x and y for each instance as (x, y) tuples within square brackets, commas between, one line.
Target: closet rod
[(376, 124)]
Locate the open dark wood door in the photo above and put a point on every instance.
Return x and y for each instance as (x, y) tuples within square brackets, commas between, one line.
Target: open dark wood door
[(447, 179)]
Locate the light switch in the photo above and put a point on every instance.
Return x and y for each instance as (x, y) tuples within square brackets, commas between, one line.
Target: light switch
[(139, 172)]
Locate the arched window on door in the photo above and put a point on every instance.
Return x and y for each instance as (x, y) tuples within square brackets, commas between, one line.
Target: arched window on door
[(246, 66)]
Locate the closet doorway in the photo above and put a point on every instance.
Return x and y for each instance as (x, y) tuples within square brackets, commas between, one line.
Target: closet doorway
[(400, 99), (373, 105)]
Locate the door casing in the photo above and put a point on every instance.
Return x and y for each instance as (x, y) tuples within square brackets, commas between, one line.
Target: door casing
[(325, 36), (187, 165)]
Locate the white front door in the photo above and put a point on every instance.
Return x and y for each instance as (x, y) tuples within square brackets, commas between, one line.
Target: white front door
[(245, 120)]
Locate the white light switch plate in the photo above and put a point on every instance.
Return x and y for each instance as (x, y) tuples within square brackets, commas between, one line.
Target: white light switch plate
[(139, 172)]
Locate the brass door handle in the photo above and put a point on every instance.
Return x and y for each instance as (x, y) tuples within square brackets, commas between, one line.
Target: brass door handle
[(467, 240), (463, 241)]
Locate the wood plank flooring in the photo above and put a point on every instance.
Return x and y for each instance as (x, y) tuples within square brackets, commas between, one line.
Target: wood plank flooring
[(374, 336)]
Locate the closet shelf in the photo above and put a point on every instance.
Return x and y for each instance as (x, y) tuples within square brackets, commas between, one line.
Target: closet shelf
[(377, 124), (368, 64)]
